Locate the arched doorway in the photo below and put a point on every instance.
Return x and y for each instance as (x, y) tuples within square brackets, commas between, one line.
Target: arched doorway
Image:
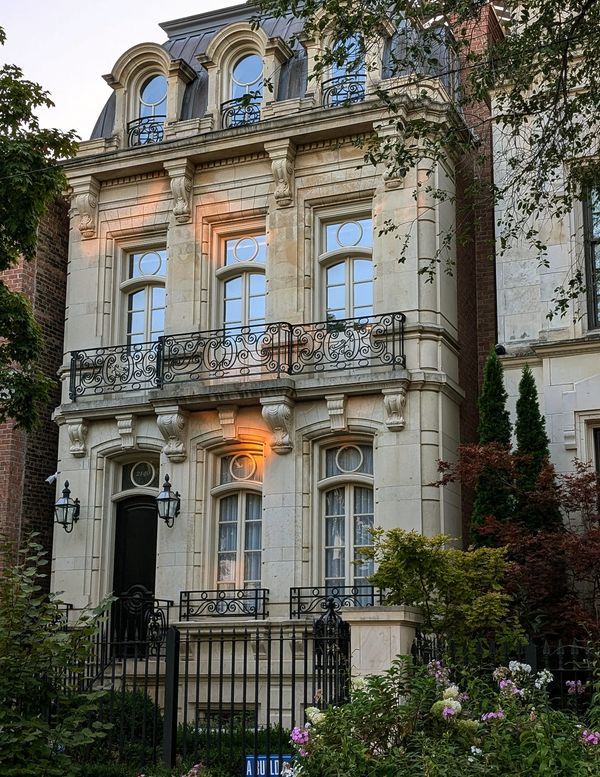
[(134, 571)]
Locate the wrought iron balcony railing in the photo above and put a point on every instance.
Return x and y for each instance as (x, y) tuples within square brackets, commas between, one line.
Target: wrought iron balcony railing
[(239, 112), (239, 602), (147, 129), (305, 601), (343, 90), (267, 352)]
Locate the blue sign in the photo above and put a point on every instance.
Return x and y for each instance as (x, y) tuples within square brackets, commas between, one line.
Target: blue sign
[(261, 766)]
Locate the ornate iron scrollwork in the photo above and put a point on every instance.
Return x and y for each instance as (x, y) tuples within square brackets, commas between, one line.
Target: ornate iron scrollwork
[(304, 601), (147, 129), (239, 112), (331, 658), (343, 90), (241, 602), (114, 369)]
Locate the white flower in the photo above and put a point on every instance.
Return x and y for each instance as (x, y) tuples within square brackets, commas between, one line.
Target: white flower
[(517, 667), (476, 750), (358, 683), (451, 692), (453, 704), (543, 678), (314, 715)]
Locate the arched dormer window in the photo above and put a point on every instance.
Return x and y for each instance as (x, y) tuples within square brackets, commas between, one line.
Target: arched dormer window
[(148, 127), (347, 79), (246, 92)]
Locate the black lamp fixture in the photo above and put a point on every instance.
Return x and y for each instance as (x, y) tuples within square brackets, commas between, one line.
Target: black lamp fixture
[(167, 505), (66, 510)]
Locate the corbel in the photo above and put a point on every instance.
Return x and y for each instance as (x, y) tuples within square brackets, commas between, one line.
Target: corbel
[(282, 154), (77, 429), (171, 422), (278, 414), (336, 409), (390, 133), (394, 402), (126, 428), (85, 205), (181, 174), (228, 421)]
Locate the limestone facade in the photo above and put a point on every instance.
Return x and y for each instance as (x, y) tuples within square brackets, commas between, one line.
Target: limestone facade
[(382, 390)]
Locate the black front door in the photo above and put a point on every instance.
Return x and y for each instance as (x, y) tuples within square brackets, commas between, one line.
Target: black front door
[(134, 568)]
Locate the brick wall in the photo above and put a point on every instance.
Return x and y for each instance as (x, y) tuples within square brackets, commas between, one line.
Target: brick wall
[(476, 270), (27, 459)]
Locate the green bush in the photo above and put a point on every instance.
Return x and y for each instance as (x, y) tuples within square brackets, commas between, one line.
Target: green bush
[(413, 721), (44, 719)]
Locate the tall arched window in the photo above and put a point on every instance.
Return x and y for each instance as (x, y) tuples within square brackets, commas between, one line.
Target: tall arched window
[(145, 294), (239, 513), (245, 92), (243, 280), (148, 127), (348, 269), (346, 83), (346, 493)]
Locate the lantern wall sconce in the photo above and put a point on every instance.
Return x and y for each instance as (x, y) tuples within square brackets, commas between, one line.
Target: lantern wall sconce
[(168, 505), (66, 510)]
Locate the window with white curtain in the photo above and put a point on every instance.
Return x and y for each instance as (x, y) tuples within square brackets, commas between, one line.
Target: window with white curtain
[(239, 530), (346, 493), (346, 262)]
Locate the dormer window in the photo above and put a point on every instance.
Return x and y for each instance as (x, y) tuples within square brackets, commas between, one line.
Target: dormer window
[(152, 113), (347, 82), (246, 88)]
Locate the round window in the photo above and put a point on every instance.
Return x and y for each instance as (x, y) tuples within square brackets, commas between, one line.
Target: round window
[(349, 458), (242, 467), (142, 474)]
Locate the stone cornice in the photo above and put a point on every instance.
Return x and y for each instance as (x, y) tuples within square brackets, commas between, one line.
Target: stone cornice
[(304, 127), (535, 352)]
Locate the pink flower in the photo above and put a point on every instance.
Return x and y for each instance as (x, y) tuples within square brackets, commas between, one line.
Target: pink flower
[(448, 712), (299, 736), (590, 737), (499, 714), (575, 687)]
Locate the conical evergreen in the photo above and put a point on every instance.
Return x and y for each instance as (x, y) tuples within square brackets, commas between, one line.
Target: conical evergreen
[(533, 445), (492, 493)]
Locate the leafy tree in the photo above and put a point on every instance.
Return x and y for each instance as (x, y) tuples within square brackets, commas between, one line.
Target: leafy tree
[(533, 454), (43, 717), (31, 178), (460, 593), (544, 73), (492, 495)]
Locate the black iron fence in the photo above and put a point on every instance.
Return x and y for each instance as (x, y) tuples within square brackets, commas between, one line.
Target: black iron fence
[(240, 111), (231, 353), (240, 602), (569, 663), (306, 601)]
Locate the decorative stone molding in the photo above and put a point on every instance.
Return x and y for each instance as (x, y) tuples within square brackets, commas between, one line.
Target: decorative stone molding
[(394, 401), (85, 205), (390, 132), (126, 429), (336, 408), (171, 422), (181, 174), (77, 429), (228, 421), (283, 154), (277, 413)]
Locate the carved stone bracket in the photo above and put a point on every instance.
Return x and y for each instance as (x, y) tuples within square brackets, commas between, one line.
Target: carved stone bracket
[(228, 421), (336, 408), (85, 205), (394, 401), (390, 133), (126, 429), (171, 422), (278, 414), (181, 174), (77, 429), (283, 154)]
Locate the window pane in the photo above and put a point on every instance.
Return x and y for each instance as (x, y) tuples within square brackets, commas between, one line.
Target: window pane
[(256, 310), (233, 311), (251, 567), (336, 298), (335, 531), (335, 502), (246, 249), (363, 270), (137, 300), (153, 96), (233, 288), (135, 324), (253, 507), (350, 233), (257, 284), (335, 562), (354, 62), (226, 568), (247, 76), (228, 508)]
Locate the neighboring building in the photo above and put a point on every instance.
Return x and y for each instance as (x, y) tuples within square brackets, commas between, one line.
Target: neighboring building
[(563, 352), (238, 319), (27, 459)]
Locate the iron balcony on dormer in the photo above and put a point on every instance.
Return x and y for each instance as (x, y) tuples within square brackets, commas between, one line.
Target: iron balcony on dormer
[(267, 351), (147, 129)]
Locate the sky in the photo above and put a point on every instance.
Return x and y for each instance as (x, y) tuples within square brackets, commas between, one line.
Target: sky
[(68, 45)]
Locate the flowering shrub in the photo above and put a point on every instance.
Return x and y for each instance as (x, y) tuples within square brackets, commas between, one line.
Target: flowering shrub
[(415, 721)]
